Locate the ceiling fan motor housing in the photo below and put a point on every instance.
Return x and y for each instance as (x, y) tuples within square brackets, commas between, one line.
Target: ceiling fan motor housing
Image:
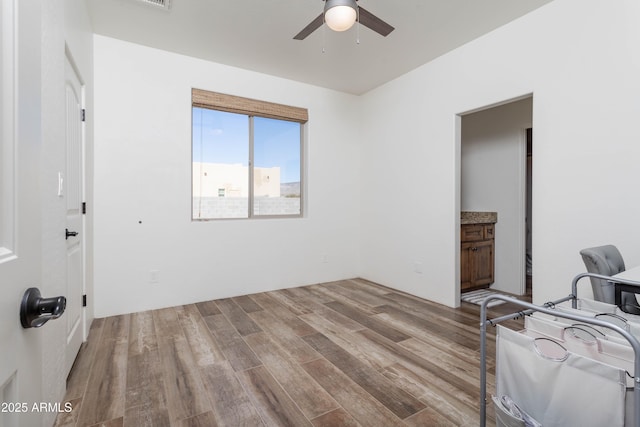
[(340, 15)]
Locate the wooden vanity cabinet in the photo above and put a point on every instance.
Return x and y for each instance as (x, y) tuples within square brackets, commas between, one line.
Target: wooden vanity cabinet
[(477, 248)]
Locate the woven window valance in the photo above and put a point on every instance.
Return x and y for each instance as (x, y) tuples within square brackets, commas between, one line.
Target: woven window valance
[(252, 107)]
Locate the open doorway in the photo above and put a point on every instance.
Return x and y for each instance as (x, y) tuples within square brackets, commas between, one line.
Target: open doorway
[(495, 177)]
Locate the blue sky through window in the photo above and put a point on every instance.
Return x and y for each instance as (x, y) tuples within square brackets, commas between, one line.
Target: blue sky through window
[(221, 137)]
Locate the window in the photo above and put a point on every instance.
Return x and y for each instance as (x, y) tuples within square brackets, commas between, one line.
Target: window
[(247, 157)]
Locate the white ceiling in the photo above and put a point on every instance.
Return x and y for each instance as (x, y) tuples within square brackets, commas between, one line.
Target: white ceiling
[(258, 34)]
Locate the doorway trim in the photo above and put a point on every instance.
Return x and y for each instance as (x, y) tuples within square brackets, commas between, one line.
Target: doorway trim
[(83, 178), (521, 202)]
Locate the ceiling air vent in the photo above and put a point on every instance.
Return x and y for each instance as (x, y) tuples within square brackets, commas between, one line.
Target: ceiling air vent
[(160, 4)]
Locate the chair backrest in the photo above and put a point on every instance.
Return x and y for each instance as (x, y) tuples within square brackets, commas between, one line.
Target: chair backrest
[(605, 260)]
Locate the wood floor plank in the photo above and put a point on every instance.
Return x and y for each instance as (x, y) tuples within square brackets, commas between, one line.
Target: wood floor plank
[(237, 317), (166, 323), (273, 403), (418, 306), (207, 308), (247, 304), (444, 342), (349, 289), (460, 337), (146, 404), (182, 384), (315, 303), (202, 420), (466, 318), (204, 347), (427, 417), (337, 293), (69, 419), (285, 336), (339, 319), (353, 343), (282, 312), (312, 399), (447, 360), (407, 357), (437, 394), (104, 397), (372, 323), (111, 423), (143, 369), (353, 398), (306, 299), (142, 333), (394, 398), (286, 298), (116, 328), (79, 375), (231, 404), (236, 351), (320, 293), (336, 418), (464, 345), (136, 417)]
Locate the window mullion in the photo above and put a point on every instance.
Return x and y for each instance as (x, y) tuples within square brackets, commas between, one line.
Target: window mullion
[(302, 169), (251, 135)]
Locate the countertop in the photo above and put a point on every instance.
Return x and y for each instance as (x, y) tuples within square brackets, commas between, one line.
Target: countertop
[(473, 217)]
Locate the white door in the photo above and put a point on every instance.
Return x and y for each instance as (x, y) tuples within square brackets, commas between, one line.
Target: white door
[(71, 188), (20, 219)]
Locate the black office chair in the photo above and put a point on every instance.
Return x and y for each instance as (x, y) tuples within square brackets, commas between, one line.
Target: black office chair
[(607, 261)]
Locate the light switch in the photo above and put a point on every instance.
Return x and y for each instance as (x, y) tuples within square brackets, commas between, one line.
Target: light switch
[(60, 184)]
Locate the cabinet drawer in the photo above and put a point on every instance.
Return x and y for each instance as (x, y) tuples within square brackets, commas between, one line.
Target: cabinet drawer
[(489, 231), (472, 232)]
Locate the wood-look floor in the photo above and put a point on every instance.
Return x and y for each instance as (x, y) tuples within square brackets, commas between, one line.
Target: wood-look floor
[(345, 353)]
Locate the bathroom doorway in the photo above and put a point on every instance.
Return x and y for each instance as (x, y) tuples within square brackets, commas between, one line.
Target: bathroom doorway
[(495, 172)]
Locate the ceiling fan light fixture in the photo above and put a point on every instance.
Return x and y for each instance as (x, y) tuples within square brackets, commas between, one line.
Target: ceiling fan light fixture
[(340, 15)]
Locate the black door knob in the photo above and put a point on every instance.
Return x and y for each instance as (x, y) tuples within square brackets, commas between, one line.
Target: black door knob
[(68, 233), (35, 311)]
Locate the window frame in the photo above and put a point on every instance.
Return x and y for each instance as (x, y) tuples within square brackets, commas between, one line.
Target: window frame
[(252, 108)]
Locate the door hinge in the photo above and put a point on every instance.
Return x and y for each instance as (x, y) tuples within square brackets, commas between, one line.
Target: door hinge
[(84, 300), (84, 208), (83, 114)]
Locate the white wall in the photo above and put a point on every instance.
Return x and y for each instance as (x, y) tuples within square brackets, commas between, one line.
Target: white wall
[(143, 187), (579, 59), (492, 170)]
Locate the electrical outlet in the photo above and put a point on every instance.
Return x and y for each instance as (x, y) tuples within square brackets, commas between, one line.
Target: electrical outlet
[(325, 259), (154, 276)]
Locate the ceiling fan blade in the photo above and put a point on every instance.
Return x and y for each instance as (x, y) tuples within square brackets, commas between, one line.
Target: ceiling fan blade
[(369, 20), (313, 25)]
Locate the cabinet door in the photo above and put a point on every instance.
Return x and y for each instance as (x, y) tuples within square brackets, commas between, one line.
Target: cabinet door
[(465, 265), (482, 263)]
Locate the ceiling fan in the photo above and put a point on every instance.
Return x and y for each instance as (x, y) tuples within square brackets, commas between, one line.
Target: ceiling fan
[(340, 15)]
